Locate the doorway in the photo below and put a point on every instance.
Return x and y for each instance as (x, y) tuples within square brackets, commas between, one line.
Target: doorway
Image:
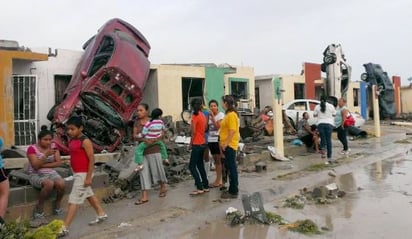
[(191, 88)]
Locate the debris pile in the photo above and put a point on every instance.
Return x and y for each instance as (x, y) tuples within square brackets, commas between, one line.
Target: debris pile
[(255, 214), (319, 195)]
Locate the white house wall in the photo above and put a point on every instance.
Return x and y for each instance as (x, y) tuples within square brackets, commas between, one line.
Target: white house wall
[(63, 64)]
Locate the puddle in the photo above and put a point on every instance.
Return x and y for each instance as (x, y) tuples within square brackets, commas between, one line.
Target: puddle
[(378, 204)]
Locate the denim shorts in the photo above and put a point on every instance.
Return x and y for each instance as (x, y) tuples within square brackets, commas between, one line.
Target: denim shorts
[(36, 179)]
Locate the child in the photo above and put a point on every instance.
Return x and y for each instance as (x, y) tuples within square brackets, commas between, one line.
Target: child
[(152, 131), (82, 163)]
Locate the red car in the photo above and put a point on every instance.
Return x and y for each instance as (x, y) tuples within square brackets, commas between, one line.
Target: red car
[(106, 87)]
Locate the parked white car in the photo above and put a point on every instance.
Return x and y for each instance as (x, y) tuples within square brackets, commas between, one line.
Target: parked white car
[(295, 109)]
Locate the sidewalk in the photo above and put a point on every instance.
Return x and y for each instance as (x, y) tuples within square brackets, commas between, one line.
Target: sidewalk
[(178, 215)]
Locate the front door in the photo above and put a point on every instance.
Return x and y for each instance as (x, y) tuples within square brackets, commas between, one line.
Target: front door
[(25, 109)]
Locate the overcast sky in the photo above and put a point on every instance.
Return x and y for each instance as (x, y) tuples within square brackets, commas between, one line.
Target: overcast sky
[(273, 36)]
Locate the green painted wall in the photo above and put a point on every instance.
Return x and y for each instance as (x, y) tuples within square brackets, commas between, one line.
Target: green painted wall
[(214, 88)]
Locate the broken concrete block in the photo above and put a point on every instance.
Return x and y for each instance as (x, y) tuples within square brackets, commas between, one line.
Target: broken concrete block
[(260, 166), (178, 170)]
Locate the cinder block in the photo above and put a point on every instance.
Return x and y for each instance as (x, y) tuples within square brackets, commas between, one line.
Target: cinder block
[(32, 194), (178, 170), (17, 196), (100, 180)]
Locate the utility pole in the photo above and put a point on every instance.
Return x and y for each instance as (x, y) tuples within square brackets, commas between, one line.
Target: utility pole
[(277, 116)]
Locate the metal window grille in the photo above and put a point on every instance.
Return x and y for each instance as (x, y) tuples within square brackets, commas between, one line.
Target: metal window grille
[(25, 109)]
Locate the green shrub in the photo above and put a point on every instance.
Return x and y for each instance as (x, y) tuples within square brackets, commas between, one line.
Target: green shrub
[(14, 230)]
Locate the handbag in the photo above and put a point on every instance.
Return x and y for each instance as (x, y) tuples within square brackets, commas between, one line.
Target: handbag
[(349, 121)]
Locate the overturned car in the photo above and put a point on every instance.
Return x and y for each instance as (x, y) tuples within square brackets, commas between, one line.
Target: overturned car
[(106, 86), (376, 76)]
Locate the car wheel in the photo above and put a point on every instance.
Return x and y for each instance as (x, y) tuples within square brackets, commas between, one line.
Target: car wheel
[(50, 115), (364, 77), (186, 116), (329, 58)]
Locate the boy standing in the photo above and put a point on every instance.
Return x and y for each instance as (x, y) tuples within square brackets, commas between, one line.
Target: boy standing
[(82, 163)]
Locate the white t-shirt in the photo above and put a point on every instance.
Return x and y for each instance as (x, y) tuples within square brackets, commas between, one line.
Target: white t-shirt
[(326, 117), (213, 132)]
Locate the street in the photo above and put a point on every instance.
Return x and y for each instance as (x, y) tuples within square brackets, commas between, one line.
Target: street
[(377, 204)]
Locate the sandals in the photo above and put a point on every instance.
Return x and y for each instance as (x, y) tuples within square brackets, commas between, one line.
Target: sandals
[(215, 186), (162, 194), (140, 202), (197, 192)]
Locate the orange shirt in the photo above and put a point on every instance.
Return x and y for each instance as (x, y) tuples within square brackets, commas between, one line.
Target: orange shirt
[(198, 129)]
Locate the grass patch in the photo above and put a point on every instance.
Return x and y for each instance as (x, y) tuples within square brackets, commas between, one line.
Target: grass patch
[(317, 167), (307, 227)]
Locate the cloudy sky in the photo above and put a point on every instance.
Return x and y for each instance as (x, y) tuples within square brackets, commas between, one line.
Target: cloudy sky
[(273, 36)]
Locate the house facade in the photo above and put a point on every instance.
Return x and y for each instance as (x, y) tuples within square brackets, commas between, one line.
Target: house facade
[(172, 87), (33, 82)]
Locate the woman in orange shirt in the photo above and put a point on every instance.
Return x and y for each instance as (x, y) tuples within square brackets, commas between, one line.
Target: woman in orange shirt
[(198, 145)]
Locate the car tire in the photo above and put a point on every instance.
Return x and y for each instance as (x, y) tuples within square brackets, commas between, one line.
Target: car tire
[(364, 77), (329, 58), (50, 115), (186, 116)]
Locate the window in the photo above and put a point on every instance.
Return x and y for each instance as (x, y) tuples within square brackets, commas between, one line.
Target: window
[(102, 55), (355, 97), (257, 97), (299, 90), (239, 88), (60, 84)]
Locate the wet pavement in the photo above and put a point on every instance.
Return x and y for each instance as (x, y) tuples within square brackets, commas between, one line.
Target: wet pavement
[(377, 203)]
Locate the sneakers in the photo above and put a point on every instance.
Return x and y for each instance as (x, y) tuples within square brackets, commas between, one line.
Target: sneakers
[(139, 168), (58, 211), (345, 152), (64, 232), (38, 220), (99, 219), (227, 195)]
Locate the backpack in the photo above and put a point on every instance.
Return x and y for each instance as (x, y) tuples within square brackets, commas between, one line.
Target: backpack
[(349, 121)]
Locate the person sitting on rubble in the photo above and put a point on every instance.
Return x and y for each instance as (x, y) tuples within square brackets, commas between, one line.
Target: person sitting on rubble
[(153, 132), (267, 117), (308, 134), (43, 158)]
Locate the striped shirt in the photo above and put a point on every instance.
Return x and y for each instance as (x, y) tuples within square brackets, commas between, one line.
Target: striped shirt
[(32, 149), (153, 129)]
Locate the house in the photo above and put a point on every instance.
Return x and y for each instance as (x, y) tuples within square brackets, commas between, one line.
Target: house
[(172, 86), (33, 81)]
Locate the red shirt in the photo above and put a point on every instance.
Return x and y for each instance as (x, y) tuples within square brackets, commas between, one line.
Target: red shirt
[(78, 157), (199, 124)]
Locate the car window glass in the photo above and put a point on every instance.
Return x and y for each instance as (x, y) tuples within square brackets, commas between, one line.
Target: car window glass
[(103, 55), (298, 106), (312, 105)]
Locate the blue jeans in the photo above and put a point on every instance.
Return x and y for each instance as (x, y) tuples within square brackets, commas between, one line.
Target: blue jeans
[(231, 167), (342, 136), (325, 132), (196, 167)]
